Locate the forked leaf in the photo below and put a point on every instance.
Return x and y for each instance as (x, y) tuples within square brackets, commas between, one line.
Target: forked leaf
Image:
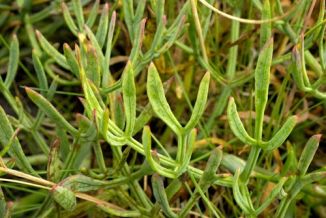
[(236, 124), (308, 154), (129, 98), (200, 104), (64, 197), (50, 111), (147, 142), (158, 101), (160, 195), (186, 151), (297, 70), (279, 138), (241, 201), (13, 61)]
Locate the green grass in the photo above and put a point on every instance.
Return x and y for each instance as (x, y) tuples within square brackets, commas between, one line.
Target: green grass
[(195, 108)]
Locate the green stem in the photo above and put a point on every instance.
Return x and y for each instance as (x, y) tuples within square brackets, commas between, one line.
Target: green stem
[(251, 163)]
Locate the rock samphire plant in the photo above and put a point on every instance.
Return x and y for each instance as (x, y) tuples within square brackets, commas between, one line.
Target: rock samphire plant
[(162, 108)]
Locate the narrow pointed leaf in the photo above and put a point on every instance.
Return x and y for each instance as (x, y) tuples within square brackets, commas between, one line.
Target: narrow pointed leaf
[(93, 14), (297, 70), (50, 111), (266, 28), (262, 77), (200, 104), (236, 124), (160, 195), (51, 51), (13, 61), (103, 26), (71, 59), (78, 10), (243, 204), (279, 138), (15, 150), (43, 83), (129, 98), (109, 42), (69, 21), (272, 195), (308, 154), (158, 101)]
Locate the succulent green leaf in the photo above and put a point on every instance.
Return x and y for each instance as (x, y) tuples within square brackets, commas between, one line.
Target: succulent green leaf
[(279, 138), (262, 75), (93, 14), (118, 211), (51, 51), (13, 61), (308, 154), (139, 34), (64, 197), (15, 150), (103, 26), (90, 96), (297, 70), (82, 183), (78, 10), (266, 28), (69, 21), (239, 198), (71, 59), (236, 124), (160, 195), (92, 68), (158, 101), (129, 98), (50, 111), (187, 144), (200, 104), (43, 83), (95, 44), (108, 49), (54, 163), (147, 142), (212, 165), (272, 195)]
